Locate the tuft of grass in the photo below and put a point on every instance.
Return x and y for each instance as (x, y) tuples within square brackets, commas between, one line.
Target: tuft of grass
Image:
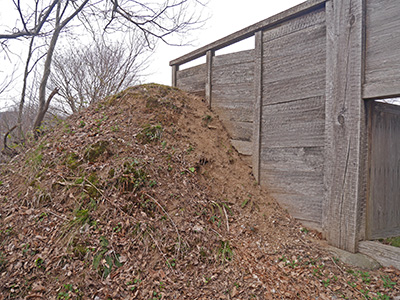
[(104, 262), (225, 252), (393, 241), (150, 133), (95, 150)]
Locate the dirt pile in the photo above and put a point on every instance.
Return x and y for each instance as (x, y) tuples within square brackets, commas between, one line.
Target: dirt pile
[(143, 197)]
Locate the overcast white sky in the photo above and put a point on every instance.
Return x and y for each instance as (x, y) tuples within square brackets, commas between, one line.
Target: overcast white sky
[(226, 17)]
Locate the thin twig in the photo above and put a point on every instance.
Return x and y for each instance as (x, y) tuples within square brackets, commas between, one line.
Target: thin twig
[(173, 223), (226, 216), (53, 213), (162, 253)]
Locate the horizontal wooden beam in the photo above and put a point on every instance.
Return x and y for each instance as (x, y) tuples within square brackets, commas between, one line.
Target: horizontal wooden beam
[(250, 31), (381, 90)]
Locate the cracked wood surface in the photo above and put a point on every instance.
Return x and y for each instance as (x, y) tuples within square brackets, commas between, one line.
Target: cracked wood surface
[(344, 180)]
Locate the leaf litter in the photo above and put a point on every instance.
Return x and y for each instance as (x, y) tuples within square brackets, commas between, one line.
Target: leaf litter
[(142, 196)]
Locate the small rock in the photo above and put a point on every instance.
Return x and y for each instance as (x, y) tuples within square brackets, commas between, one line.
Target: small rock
[(198, 228)]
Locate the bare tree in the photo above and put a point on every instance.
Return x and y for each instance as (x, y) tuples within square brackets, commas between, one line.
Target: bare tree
[(155, 20), (90, 73)]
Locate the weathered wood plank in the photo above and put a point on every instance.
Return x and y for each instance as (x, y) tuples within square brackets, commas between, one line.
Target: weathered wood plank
[(175, 69), (293, 12), (295, 65), (298, 123), (284, 175), (298, 24), (302, 159), (380, 90), (233, 74), (241, 57), (209, 75), (234, 112), (239, 130), (299, 207), (384, 189), (243, 147), (234, 93), (294, 183), (295, 177), (192, 79), (192, 71), (382, 66), (386, 255), (345, 119), (258, 103)]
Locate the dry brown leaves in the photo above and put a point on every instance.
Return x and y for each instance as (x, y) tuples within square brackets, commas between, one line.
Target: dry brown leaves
[(142, 197)]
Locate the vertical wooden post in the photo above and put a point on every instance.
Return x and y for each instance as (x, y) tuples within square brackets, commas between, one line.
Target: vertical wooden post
[(258, 67), (175, 69), (344, 123), (209, 62)]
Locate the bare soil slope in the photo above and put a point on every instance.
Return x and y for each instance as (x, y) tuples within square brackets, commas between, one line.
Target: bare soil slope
[(143, 197)]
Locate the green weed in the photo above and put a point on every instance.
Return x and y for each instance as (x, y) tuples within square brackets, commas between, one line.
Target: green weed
[(387, 282), (95, 150), (150, 133), (39, 263), (225, 252), (103, 263)]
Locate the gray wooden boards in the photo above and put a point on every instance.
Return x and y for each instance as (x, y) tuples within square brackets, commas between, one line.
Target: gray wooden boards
[(345, 158), (192, 79), (232, 96), (386, 255), (250, 31), (292, 121), (383, 209), (258, 103), (382, 66)]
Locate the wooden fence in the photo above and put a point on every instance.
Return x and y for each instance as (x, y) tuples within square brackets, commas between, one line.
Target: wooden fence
[(295, 104)]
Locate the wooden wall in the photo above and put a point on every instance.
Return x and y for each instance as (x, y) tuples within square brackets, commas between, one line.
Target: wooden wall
[(384, 187), (232, 96), (192, 79), (296, 104), (382, 63), (293, 114)]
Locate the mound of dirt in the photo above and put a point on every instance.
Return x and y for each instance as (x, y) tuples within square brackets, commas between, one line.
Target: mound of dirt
[(142, 197)]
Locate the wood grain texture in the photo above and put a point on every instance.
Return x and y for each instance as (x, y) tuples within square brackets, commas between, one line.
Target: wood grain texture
[(239, 130), (384, 188), (293, 115), (297, 24), (192, 79), (258, 103), (243, 147), (209, 75), (298, 123), (386, 255), (175, 69), (240, 57), (294, 65), (298, 205), (240, 35), (233, 112), (295, 177), (345, 122), (232, 92), (382, 65), (233, 74)]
